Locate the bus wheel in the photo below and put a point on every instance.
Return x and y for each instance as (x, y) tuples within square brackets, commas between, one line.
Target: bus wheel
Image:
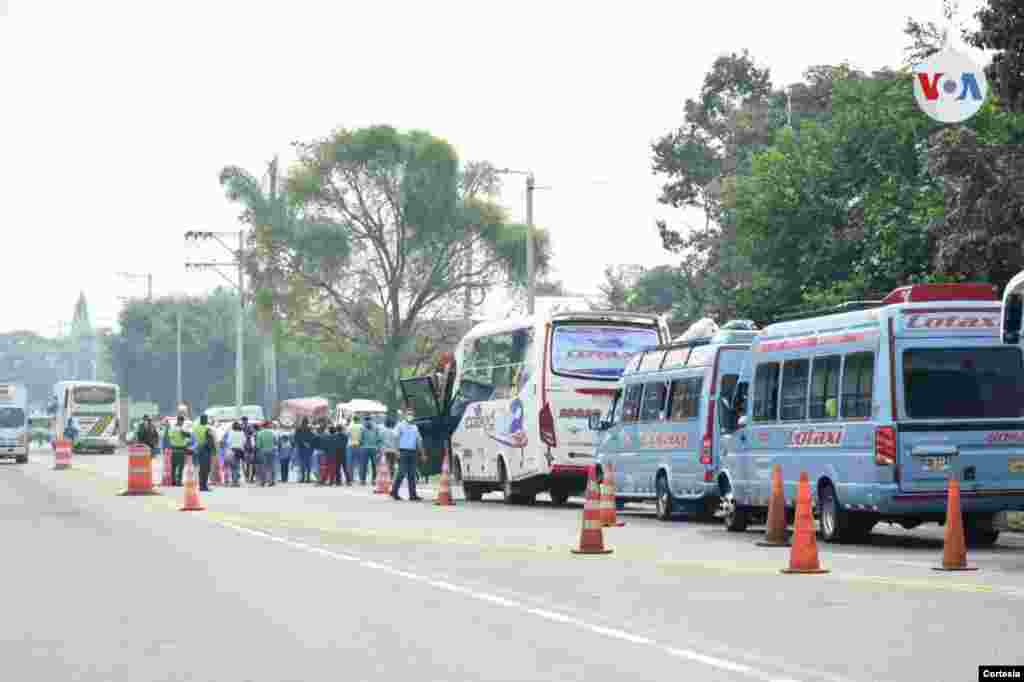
[(981, 532), (559, 496), (472, 491), (735, 517), (22, 459), (664, 499), (834, 521), (506, 485)]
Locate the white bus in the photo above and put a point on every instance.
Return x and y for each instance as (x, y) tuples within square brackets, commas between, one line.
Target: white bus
[(14, 423), (95, 408), (517, 397)]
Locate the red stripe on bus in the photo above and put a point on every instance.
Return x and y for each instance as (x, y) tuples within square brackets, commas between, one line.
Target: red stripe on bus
[(597, 391)]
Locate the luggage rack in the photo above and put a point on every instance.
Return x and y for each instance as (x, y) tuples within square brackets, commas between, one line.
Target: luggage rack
[(848, 307)]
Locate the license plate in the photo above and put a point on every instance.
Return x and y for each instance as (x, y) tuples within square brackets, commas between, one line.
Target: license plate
[(936, 463), (1016, 465)]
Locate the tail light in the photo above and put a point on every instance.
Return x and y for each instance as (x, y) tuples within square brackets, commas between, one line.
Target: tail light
[(705, 446), (885, 445), (547, 426)]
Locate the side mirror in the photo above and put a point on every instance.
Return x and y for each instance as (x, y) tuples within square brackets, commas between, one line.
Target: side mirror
[(1013, 311)]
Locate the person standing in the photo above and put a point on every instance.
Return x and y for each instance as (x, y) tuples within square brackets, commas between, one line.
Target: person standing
[(235, 453), (410, 444), (329, 456), (355, 444), (286, 445), (180, 441), (340, 445), (304, 443), (371, 449), (205, 446), (389, 445), (148, 436), (264, 451)]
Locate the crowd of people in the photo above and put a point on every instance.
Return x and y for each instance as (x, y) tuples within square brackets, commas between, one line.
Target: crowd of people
[(270, 452)]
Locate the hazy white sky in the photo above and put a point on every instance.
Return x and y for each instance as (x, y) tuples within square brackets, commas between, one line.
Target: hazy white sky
[(118, 115)]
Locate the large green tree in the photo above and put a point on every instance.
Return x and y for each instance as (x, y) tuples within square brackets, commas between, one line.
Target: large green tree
[(395, 231), (1001, 29)]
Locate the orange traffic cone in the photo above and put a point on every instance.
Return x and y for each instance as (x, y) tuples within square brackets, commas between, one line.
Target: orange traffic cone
[(140, 471), (191, 488), (803, 558), (775, 535), (610, 517), (954, 546), (592, 533), (383, 475), (444, 496), (167, 481), (62, 454)]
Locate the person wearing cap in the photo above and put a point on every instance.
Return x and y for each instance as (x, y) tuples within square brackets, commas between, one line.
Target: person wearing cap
[(180, 441)]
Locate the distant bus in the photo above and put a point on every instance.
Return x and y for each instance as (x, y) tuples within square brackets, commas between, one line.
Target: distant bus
[(221, 414), (14, 428), (518, 400), (95, 408)]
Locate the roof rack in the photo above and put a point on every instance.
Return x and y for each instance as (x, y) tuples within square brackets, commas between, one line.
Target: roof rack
[(848, 307)]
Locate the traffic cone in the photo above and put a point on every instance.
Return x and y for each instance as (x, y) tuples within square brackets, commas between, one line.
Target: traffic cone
[(62, 454), (140, 472), (803, 558), (444, 496), (191, 488), (167, 480), (775, 535), (592, 533), (608, 498), (954, 545)]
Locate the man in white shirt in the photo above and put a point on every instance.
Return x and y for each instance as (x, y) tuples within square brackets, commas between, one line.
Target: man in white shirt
[(410, 444)]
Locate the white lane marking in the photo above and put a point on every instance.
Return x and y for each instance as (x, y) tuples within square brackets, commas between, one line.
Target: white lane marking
[(552, 616)]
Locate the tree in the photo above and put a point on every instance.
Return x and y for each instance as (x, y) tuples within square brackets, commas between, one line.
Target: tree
[(1001, 28), (927, 38), (394, 234)]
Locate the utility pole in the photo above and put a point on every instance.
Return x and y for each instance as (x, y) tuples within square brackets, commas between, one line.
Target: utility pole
[(180, 396), (531, 255), (269, 343), (239, 263)]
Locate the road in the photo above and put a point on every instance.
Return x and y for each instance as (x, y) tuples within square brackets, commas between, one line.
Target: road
[(304, 583)]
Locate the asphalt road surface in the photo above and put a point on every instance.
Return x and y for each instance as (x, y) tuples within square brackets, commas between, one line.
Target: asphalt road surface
[(303, 583)]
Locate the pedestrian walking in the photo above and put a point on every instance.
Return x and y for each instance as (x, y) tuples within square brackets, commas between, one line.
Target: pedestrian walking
[(181, 442), (410, 444), (206, 445), (264, 461), (304, 444), (249, 432), (236, 453)]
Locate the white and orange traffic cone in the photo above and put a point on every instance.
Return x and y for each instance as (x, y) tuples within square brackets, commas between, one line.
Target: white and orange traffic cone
[(592, 533), (610, 515), (444, 496), (167, 481), (192, 502)]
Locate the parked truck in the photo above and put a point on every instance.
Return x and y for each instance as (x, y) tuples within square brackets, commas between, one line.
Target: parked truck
[(14, 428)]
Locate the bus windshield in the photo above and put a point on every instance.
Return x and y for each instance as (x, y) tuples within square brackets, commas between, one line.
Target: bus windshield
[(11, 417), (964, 383), (597, 351), (94, 395)]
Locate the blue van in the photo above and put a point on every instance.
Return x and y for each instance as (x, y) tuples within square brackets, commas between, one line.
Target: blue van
[(663, 432), (881, 405)]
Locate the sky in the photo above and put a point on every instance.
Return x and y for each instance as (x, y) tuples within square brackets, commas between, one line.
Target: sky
[(117, 117)]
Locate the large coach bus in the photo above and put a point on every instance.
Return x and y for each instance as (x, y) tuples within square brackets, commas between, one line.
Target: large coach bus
[(517, 397), (95, 408), (881, 407)]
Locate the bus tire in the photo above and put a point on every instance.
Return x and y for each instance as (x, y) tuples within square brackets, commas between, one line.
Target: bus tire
[(981, 531), (835, 523), (507, 489), (735, 517), (21, 459), (473, 492), (664, 503), (559, 496)]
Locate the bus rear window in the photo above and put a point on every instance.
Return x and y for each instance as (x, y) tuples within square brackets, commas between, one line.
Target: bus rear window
[(11, 418), (593, 351), (94, 395), (963, 383)]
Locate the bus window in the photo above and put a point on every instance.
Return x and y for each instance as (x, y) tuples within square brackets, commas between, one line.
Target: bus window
[(766, 392), (963, 383), (825, 386), (684, 399), (631, 406), (858, 378), (594, 351), (653, 403), (794, 390)]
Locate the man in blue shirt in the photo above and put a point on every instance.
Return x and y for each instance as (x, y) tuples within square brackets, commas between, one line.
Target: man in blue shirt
[(410, 444)]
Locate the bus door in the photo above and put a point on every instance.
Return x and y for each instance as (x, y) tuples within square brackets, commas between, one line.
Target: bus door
[(964, 416)]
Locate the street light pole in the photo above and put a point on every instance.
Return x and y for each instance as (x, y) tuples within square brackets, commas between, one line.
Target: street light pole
[(531, 256), (180, 396), (239, 263)]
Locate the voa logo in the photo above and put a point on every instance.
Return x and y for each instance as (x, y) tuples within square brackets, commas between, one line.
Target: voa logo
[(949, 87)]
